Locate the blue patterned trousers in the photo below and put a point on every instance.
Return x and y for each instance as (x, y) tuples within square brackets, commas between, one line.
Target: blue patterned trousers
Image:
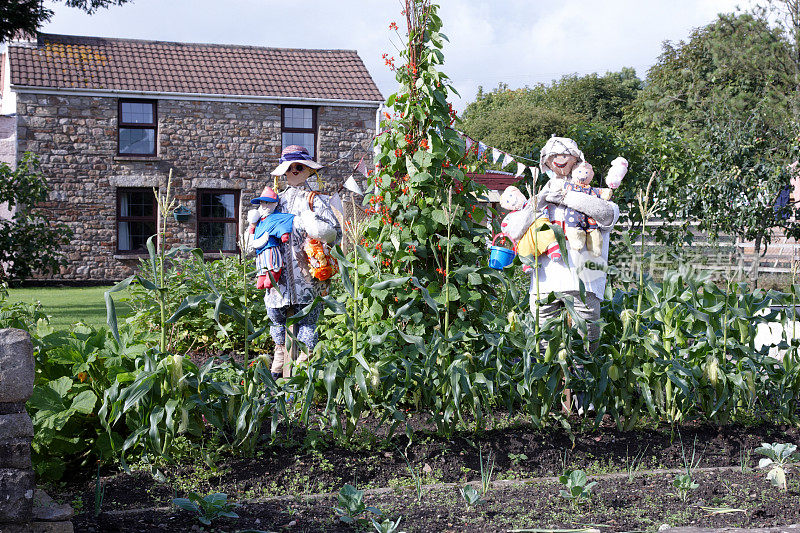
[(307, 326)]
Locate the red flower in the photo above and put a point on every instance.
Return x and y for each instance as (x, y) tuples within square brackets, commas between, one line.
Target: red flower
[(423, 144), (393, 26)]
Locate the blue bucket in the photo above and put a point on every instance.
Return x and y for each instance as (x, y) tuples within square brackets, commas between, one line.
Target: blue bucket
[(500, 257)]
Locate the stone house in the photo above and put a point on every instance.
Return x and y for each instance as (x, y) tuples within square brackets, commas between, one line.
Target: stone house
[(109, 119)]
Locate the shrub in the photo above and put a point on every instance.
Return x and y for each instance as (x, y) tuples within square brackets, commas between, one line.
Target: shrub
[(74, 370)]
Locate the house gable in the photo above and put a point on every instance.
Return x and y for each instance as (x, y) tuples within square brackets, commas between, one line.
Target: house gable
[(111, 119)]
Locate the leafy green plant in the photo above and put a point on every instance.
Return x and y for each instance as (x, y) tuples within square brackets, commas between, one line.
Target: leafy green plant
[(208, 508), (387, 526), (578, 489), (74, 370), (517, 458), (780, 458), (471, 496), (199, 331), (351, 505), (487, 470), (29, 241), (20, 315), (683, 483)]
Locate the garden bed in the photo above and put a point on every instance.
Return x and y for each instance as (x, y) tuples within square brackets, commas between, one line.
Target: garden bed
[(278, 482)]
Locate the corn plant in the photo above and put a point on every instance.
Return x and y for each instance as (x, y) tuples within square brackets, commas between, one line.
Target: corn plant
[(780, 458)]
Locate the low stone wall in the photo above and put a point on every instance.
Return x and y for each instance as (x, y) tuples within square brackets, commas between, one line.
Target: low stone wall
[(23, 509), (17, 483)]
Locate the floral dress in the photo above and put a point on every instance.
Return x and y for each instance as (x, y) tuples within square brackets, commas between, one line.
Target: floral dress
[(296, 286)]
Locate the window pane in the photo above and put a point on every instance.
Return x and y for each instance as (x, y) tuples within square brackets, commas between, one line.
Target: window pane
[(137, 141), (136, 204), (303, 139), (217, 205), (133, 235), (217, 236), (137, 113), (298, 117)]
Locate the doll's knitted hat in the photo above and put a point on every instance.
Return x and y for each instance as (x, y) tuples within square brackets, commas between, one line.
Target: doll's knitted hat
[(267, 195), (558, 146)]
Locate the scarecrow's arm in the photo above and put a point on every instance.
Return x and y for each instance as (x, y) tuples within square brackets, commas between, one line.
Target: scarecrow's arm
[(597, 208)]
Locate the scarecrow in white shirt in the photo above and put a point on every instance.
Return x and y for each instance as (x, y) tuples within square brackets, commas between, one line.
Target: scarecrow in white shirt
[(558, 158)]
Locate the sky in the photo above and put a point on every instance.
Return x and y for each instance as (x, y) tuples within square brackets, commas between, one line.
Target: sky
[(516, 42)]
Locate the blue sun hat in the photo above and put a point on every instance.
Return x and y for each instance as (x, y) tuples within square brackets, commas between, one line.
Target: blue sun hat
[(267, 195), (295, 154)]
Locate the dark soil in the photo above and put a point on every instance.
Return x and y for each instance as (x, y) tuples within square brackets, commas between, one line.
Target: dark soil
[(310, 462)]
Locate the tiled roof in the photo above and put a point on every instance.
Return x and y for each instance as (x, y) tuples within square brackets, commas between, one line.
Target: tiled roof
[(70, 62)]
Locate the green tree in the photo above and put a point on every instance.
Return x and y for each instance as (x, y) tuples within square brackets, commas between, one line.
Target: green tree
[(29, 15), (742, 175), (521, 120), (735, 69), (518, 126), (730, 93), (29, 243)]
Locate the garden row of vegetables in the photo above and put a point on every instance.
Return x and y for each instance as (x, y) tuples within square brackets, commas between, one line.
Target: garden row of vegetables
[(416, 327), (692, 356)]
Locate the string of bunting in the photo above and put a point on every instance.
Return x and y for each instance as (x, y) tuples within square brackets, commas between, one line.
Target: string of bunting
[(497, 156)]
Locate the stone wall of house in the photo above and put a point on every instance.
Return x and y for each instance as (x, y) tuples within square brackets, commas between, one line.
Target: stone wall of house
[(207, 145), (8, 139)]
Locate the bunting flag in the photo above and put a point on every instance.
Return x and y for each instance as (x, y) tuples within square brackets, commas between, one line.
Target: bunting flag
[(361, 168), (496, 155), (352, 185)]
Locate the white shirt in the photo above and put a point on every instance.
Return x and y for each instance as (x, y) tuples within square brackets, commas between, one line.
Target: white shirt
[(560, 275)]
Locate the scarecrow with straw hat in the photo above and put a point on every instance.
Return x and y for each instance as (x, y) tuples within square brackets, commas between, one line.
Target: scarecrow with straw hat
[(305, 217)]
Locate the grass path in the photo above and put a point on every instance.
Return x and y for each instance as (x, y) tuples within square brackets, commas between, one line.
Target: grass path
[(68, 305)]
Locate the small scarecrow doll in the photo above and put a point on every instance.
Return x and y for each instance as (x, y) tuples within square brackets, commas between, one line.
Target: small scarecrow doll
[(268, 230)]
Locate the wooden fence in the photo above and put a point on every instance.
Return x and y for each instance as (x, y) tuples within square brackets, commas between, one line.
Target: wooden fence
[(726, 258)]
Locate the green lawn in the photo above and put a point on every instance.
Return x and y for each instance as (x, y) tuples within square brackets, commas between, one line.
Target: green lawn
[(67, 305)]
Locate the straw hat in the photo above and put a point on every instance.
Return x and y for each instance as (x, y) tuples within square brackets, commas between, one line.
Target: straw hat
[(294, 154)]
